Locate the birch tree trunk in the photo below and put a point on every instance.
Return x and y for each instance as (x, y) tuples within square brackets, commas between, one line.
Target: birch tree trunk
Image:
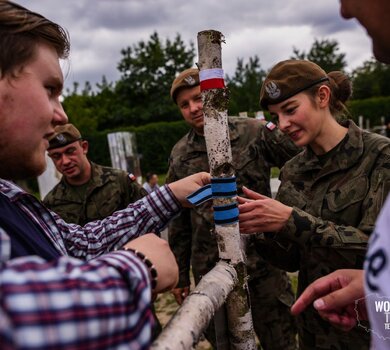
[(216, 132), (184, 329)]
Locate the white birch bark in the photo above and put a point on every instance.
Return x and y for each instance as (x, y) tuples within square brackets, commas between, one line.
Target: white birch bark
[(216, 132), (184, 329)]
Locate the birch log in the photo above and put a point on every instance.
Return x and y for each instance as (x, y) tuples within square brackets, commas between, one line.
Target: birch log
[(216, 132), (184, 329)]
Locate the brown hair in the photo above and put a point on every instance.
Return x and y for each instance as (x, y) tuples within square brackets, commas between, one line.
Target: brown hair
[(340, 91), (20, 31)]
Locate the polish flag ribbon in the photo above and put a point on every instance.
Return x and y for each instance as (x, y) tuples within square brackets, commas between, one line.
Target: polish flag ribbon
[(211, 79)]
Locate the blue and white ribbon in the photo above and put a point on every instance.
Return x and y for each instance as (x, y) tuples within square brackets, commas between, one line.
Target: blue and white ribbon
[(225, 187)]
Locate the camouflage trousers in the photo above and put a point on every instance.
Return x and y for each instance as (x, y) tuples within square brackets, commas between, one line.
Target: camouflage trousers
[(324, 336)]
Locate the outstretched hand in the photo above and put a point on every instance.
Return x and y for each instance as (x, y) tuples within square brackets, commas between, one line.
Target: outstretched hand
[(260, 213), (334, 297)]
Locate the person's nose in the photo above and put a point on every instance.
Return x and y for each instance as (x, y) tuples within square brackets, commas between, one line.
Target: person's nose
[(60, 116), (65, 159), (195, 106), (284, 123)]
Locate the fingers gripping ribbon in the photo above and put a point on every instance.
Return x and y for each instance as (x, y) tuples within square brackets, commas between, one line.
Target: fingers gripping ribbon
[(219, 188)]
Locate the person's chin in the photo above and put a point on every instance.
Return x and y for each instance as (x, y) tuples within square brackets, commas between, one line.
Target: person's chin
[(34, 168), (70, 174), (381, 54)]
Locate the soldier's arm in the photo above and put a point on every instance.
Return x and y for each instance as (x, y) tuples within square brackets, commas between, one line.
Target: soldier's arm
[(261, 214)]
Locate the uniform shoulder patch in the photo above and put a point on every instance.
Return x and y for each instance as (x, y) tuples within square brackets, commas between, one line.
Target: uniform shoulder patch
[(132, 177), (270, 126)]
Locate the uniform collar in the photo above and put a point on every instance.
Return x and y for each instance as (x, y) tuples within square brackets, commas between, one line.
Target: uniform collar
[(349, 152)]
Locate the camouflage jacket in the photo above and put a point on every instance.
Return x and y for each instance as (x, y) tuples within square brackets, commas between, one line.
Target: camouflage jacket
[(335, 206), (255, 148), (108, 190)]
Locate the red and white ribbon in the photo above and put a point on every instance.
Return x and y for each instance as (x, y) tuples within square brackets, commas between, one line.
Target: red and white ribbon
[(211, 79)]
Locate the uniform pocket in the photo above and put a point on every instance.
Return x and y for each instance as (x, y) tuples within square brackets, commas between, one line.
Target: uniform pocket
[(355, 190)]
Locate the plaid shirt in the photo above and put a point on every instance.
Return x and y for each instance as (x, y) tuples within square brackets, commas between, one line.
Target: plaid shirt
[(89, 298)]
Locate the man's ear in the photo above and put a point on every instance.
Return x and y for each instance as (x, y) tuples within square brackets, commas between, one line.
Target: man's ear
[(85, 146)]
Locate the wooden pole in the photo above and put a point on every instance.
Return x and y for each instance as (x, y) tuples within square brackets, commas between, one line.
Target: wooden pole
[(186, 326), (216, 132)]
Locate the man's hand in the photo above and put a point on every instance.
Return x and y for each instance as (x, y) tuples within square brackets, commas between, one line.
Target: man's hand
[(184, 187), (180, 294), (334, 298), (158, 252)]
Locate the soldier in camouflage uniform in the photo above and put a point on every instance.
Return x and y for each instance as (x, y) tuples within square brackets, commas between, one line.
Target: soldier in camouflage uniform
[(332, 192), (87, 191), (256, 146)]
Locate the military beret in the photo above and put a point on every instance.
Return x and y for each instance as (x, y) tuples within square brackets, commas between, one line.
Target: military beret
[(289, 78), (64, 135), (186, 79)]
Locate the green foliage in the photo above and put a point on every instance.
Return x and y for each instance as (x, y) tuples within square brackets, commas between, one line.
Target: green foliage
[(99, 151), (89, 110), (325, 54), (154, 143), (148, 70), (371, 108), (244, 86), (275, 172), (141, 96), (370, 80), (294, 281)]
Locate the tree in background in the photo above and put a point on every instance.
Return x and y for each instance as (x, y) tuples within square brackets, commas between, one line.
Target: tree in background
[(371, 80), (325, 54), (147, 71), (244, 86), (80, 108), (91, 109), (141, 96)]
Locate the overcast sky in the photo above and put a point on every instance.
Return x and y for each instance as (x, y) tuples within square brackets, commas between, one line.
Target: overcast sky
[(99, 29)]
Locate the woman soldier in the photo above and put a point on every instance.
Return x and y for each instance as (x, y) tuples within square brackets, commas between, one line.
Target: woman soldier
[(330, 193)]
